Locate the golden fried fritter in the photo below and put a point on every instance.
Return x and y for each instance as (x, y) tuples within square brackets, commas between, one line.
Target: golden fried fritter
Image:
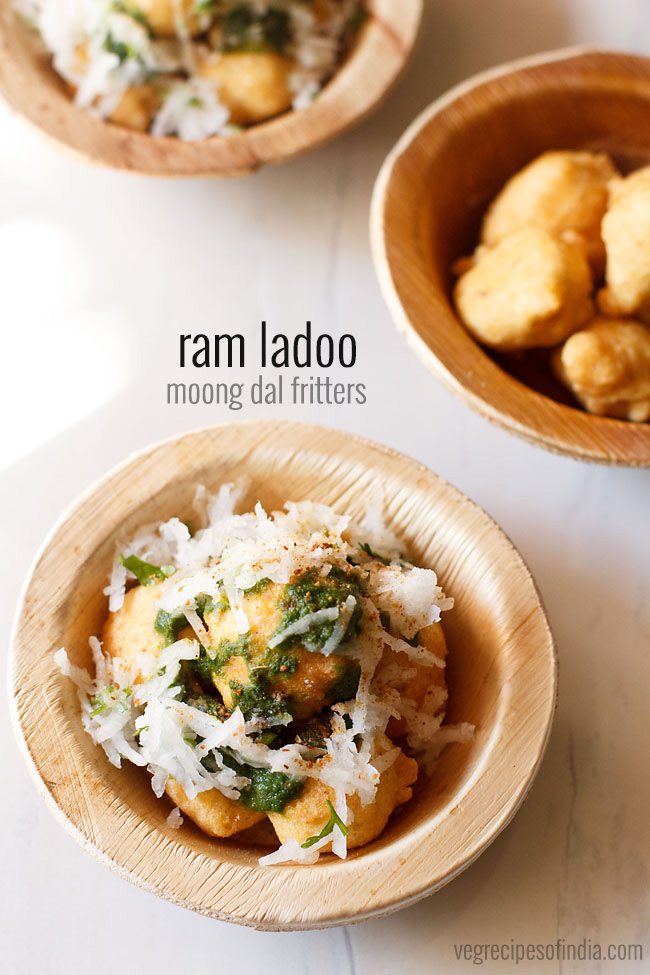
[(129, 633), (626, 232), (213, 812), (418, 679), (169, 18), (607, 368), (562, 192), (530, 291), (137, 107), (306, 815), (308, 681), (253, 85)]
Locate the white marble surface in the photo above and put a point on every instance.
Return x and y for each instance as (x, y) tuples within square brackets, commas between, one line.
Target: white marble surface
[(100, 273)]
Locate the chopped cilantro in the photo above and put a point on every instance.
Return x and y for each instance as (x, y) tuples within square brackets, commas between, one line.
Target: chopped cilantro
[(145, 572), (244, 29), (120, 7), (102, 700), (365, 547), (98, 705), (124, 52), (328, 828), (259, 586), (267, 737)]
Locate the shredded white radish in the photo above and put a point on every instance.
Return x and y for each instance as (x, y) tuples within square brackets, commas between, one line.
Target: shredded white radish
[(105, 50), (305, 624), (420, 654), (194, 620), (175, 819), (138, 706), (340, 629)]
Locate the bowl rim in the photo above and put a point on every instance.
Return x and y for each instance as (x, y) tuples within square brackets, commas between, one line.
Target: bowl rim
[(273, 141), (390, 902), (624, 443)]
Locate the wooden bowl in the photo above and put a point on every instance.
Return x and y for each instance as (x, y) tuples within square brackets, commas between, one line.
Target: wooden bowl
[(32, 88), (502, 678), (427, 208)]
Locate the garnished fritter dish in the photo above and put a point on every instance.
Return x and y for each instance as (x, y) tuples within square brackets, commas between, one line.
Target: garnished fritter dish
[(561, 228), (194, 68), (288, 667)]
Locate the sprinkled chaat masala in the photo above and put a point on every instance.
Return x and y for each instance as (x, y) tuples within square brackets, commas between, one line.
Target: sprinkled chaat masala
[(287, 667)]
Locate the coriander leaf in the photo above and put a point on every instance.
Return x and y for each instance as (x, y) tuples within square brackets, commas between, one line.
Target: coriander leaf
[(145, 572), (122, 51), (373, 555), (99, 705), (245, 29), (333, 821), (120, 7), (101, 700)]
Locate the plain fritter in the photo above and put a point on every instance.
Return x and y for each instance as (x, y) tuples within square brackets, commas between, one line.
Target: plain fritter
[(626, 232), (563, 192), (530, 291), (607, 368)]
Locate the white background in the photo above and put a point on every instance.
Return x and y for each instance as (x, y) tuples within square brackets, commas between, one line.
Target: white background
[(100, 272)]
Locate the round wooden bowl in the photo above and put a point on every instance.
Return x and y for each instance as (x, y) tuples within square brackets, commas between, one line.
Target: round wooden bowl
[(502, 677), (432, 193), (30, 85)]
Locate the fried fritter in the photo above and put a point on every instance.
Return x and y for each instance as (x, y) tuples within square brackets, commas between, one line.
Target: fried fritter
[(626, 232), (137, 107), (413, 680), (563, 192), (130, 633), (306, 816), (169, 18), (305, 681), (607, 368), (530, 291), (213, 812), (253, 85)]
